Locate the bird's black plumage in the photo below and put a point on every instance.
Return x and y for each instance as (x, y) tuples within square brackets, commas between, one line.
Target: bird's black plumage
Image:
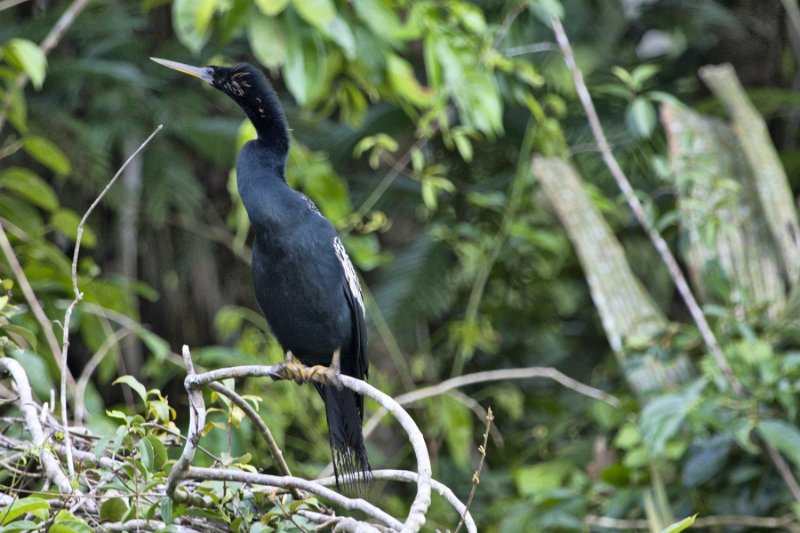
[(303, 279)]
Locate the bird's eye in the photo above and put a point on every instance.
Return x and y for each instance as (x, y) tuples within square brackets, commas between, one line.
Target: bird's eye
[(210, 72)]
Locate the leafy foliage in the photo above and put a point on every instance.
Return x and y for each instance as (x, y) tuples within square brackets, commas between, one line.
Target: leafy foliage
[(414, 123)]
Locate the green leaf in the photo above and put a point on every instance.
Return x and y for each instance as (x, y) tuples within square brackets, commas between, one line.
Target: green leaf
[(159, 452), (28, 57), (267, 41), (29, 186), (134, 384), (304, 70), (677, 527), (404, 82), (536, 479), (46, 153), (318, 13), (113, 509), (271, 7), (544, 10), (457, 422), (66, 222), (640, 117), (34, 506), (191, 19), (155, 344), (663, 416), (72, 525), (25, 333), (783, 436), (146, 454)]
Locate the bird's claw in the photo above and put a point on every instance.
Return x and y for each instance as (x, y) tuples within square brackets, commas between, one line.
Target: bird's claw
[(317, 373)]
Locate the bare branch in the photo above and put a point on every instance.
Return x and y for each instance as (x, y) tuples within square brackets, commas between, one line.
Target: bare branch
[(288, 482), (52, 467), (79, 295), (476, 477)]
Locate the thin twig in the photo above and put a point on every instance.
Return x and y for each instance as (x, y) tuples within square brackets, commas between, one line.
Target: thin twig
[(79, 295), (476, 477), (493, 375), (639, 213), (788, 521)]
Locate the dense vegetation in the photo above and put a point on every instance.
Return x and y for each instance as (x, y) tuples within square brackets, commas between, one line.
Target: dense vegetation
[(415, 123)]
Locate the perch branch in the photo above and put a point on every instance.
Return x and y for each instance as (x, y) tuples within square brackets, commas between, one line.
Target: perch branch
[(193, 382), (79, 295), (639, 213)]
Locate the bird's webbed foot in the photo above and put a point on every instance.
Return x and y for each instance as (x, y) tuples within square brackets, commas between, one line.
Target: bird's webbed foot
[(317, 373)]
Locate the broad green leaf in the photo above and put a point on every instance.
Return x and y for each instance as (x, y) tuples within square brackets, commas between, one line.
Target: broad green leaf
[(677, 527), (271, 7), (34, 506), (134, 384), (382, 20), (267, 41), (304, 70), (159, 452), (28, 57), (29, 186), (457, 422), (640, 117), (338, 30), (191, 19), (318, 13), (25, 333), (404, 82), (544, 10), (155, 344), (663, 416), (46, 153), (783, 436), (113, 509), (532, 480), (22, 214), (146, 454), (71, 525), (66, 222)]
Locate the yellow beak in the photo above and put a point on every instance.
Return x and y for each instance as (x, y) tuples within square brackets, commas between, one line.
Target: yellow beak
[(204, 73)]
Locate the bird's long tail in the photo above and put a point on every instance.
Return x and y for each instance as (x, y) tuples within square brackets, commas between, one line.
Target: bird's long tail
[(350, 462)]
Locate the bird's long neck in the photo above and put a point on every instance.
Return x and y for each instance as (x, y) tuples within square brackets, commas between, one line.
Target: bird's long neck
[(262, 106)]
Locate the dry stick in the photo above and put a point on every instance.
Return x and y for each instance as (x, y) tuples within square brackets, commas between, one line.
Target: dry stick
[(661, 245), (639, 212), (52, 467), (493, 375), (79, 295), (261, 427), (411, 477), (476, 477), (351, 504)]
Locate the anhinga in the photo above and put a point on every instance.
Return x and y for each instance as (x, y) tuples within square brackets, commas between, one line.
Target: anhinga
[(303, 279)]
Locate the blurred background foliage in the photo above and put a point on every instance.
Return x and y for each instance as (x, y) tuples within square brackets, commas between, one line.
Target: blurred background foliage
[(414, 123)]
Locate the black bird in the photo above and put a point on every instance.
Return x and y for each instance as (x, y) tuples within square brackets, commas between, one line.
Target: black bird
[(303, 279)]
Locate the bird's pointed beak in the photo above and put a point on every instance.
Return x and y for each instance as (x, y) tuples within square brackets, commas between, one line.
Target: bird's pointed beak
[(204, 73)]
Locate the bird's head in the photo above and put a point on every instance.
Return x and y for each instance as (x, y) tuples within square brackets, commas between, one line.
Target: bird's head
[(236, 81), (249, 88)]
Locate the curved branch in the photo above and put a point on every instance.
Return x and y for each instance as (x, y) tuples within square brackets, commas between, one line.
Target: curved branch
[(52, 468), (287, 482)]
